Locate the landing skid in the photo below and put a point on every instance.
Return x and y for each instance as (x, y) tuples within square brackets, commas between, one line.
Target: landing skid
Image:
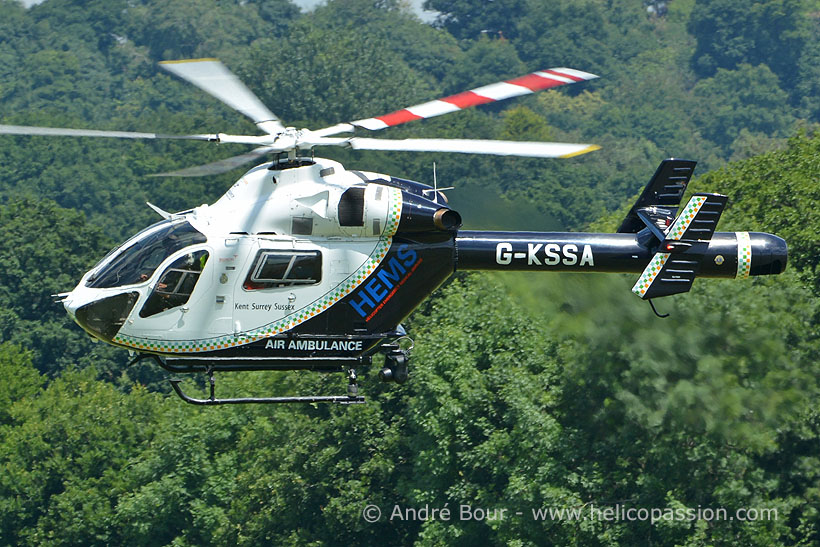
[(350, 399), (352, 396)]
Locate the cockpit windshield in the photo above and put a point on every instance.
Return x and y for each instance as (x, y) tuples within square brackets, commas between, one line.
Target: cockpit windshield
[(137, 261)]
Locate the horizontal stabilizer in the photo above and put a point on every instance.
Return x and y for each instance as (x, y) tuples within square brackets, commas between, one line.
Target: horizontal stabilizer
[(675, 267), (699, 219), (664, 191), (667, 274)]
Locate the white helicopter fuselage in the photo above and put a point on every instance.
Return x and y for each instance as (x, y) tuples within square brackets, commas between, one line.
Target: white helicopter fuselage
[(280, 247)]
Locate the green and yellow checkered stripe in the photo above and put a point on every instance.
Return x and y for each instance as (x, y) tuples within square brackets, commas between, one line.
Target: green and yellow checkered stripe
[(290, 321), (744, 254), (650, 273), (686, 217), (393, 213)]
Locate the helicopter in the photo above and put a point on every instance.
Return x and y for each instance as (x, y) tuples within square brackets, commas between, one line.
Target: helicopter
[(305, 265)]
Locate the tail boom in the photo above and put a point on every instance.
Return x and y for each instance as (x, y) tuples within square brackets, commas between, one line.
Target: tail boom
[(726, 254), (668, 251)]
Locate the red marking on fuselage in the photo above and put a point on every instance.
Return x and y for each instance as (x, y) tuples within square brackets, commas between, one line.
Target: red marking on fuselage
[(396, 288)]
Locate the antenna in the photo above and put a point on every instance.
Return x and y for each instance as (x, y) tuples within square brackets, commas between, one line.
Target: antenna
[(435, 189)]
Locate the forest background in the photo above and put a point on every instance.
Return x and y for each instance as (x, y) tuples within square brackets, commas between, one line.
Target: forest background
[(528, 391)]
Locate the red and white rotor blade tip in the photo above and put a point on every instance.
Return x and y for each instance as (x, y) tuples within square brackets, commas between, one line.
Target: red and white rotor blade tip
[(471, 146), (214, 78), (535, 81)]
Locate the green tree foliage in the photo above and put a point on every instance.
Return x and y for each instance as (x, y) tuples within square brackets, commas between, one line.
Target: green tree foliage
[(485, 61), (169, 29), (746, 98), (22, 380), (597, 36), (428, 51), (507, 409), (497, 368), (523, 124), (469, 20), (44, 251), (770, 32), (96, 67), (528, 392), (784, 204), (334, 68), (675, 422), (806, 91), (65, 458)]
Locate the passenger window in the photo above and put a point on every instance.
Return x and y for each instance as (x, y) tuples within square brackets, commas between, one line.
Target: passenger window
[(176, 284), (284, 268)]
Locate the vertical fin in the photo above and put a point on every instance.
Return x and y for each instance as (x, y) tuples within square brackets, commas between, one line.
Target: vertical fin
[(664, 191)]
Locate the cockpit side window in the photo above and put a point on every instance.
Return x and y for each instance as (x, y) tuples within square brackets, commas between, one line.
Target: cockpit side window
[(138, 261), (176, 284), (284, 268)]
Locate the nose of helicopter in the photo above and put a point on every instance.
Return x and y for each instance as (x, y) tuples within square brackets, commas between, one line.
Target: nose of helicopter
[(68, 304), (101, 318)]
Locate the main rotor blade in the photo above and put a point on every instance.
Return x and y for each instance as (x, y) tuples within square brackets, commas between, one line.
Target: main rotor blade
[(535, 81), (471, 146), (218, 167), (212, 77), (68, 132)]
